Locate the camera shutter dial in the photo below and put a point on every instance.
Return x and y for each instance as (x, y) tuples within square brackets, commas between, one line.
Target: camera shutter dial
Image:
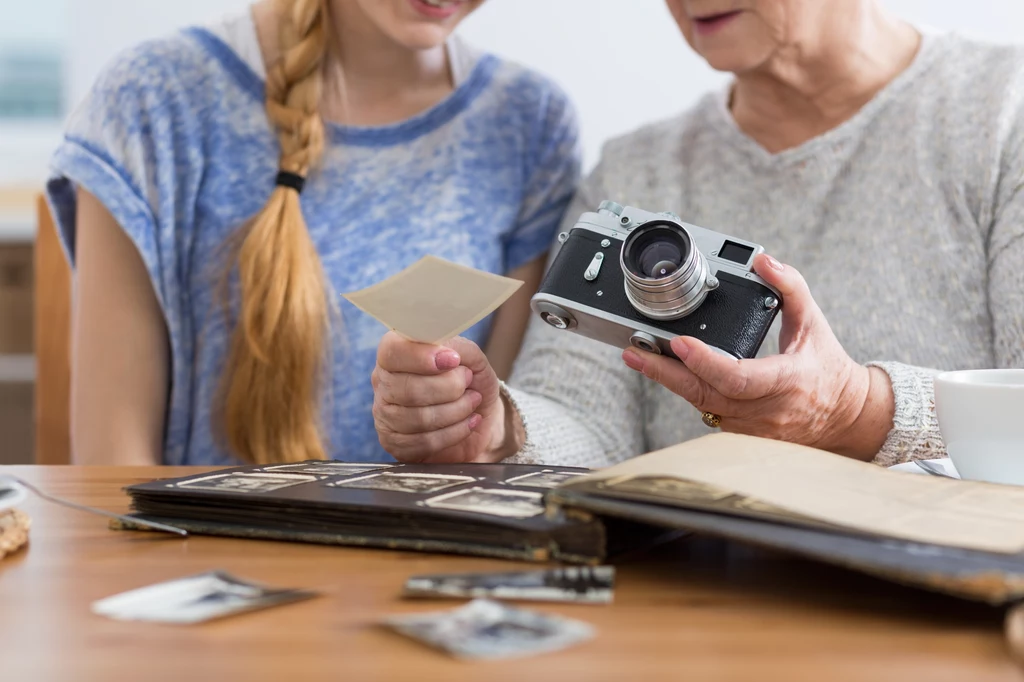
[(610, 207)]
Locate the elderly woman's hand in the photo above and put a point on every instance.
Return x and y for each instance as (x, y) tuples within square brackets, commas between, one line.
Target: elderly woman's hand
[(813, 393)]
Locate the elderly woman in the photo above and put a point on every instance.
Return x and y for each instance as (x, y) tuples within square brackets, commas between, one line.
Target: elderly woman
[(883, 163)]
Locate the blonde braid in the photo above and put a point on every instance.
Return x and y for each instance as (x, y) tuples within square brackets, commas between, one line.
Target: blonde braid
[(272, 381)]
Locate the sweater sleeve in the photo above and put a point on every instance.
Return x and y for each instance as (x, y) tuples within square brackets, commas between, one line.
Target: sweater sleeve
[(915, 429), (579, 403), (915, 433)]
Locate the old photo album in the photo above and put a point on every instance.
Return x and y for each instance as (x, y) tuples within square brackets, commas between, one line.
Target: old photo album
[(479, 509), (959, 537)]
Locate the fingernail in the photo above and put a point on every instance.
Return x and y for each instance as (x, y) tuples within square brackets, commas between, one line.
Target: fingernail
[(475, 398), (474, 421), (774, 264), (447, 359), (680, 348), (632, 360), (469, 376)]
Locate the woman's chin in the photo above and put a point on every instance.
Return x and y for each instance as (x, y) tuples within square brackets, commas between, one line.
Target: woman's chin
[(420, 37), (731, 59)]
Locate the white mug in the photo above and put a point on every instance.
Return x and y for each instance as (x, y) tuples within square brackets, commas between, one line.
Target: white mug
[(981, 417)]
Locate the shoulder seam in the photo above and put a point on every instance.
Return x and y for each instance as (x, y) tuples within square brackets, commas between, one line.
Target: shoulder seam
[(114, 166), (241, 72)]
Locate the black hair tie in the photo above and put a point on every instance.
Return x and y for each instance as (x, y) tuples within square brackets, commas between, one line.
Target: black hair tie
[(292, 180)]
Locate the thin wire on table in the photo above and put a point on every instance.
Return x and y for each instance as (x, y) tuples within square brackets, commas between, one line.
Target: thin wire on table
[(92, 510)]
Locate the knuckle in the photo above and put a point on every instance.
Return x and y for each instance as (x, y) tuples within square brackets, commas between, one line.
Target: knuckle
[(388, 415), (426, 419), (405, 389), (449, 415), (387, 441), (736, 384), (463, 346), (460, 432), (434, 441), (652, 370), (696, 362), (377, 410), (452, 386), (702, 393), (446, 438), (386, 350), (402, 446), (786, 379), (385, 385), (389, 356), (691, 393), (784, 421), (430, 391)]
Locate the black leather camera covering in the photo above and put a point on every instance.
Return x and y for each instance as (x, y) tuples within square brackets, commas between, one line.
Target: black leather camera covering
[(735, 314)]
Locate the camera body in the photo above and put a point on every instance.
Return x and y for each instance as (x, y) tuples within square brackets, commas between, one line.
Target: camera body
[(625, 276)]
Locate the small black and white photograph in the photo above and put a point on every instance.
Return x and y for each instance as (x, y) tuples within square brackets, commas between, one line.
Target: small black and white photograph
[(328, 468), (485, 629), (195, 599), (239, 482), (574, 584), (405, 483), (543, 479), (519, 504)]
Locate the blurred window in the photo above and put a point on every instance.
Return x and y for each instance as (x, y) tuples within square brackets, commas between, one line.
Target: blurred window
[(32, 72)]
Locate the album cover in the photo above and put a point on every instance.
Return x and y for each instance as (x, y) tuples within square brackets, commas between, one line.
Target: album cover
[(480, 509)]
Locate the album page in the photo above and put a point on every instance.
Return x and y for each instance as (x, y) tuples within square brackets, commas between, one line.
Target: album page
[(838, 490)]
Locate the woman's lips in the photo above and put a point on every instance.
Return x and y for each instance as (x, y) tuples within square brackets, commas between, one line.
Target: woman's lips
[(705, 26), (434, 11)]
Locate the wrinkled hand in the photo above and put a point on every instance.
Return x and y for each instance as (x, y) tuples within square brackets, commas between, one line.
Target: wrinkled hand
[(436, 403), (812, 393)]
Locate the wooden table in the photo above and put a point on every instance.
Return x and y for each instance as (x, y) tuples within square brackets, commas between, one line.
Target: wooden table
[(693, 610)]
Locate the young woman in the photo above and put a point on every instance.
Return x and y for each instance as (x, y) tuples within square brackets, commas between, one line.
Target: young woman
[(218, 190)]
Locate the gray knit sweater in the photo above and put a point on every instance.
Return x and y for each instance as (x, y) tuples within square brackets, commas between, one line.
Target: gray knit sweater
[(907, 222)]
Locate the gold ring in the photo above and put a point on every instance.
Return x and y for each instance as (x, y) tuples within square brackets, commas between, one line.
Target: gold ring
[(711, 419)]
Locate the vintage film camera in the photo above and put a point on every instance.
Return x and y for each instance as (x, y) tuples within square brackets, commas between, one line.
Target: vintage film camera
[(625, 276)]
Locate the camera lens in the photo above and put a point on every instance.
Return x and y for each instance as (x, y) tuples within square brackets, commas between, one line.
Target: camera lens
[(659, 250), (660, 259), (664, 272)]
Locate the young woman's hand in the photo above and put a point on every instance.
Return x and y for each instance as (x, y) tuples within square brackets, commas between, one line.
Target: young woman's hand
[(438, 403)]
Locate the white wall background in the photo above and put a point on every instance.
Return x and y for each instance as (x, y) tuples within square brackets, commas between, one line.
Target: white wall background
[(622, 61)]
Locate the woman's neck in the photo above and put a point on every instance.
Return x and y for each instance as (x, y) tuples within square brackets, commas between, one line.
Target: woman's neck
[(369, 79), (372, 80), (806, 90)]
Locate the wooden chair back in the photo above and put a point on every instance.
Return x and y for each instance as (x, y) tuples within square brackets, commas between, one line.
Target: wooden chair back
[(52, 343)]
